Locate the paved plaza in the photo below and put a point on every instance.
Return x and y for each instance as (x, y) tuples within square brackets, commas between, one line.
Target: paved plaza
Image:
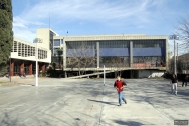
[(87, 102)]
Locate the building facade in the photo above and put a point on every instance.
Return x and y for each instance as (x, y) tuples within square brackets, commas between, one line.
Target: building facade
[(47, 35), (139, 55), (142, 55), (23, 58)]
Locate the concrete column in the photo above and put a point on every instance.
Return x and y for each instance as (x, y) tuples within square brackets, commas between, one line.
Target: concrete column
[(30, 68), (12, 68), (65, 74), (131, 74), (38, 67), (22, 67), (131, 53), (97, 54), (166, 51), (43, 68), (98, 76), (64, 54)]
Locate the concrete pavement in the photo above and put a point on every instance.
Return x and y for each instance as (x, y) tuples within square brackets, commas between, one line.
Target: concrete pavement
[(86, 102)]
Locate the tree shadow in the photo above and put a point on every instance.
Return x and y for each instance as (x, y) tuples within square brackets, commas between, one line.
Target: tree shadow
[(184, 94), (9, 120), (182, 91), (180, 94), (109, 103), (160, 94)]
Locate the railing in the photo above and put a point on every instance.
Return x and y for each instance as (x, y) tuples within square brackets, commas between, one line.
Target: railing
[(114, 68)]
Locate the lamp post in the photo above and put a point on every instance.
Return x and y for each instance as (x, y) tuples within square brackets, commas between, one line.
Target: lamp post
[(174, 37), (36, 40), (177, 52)]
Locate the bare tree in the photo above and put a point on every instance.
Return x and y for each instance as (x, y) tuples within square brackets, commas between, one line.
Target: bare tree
[(183, 28), (81, 58), (182, 64), (183, 31), (119, 64)]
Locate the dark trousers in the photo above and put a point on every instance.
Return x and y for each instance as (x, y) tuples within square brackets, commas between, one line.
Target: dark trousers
[(184, 81)]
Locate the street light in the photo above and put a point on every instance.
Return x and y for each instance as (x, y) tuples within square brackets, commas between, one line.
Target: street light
[(36, 40), (174, 37)]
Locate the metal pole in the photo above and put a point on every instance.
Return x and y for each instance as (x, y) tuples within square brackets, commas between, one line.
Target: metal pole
[(104, 75), (177, 52), (177, 56), (131, 53), (97, 55), (36, 64), (175, 72)]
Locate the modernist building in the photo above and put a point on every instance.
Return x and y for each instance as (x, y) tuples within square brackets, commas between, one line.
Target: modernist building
[(138, 54), (47, 35), (23, 58)]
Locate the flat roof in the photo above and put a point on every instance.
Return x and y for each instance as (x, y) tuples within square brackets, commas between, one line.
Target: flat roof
[(111, 37)]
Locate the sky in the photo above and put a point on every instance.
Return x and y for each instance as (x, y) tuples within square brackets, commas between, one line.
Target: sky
[(92, 17)]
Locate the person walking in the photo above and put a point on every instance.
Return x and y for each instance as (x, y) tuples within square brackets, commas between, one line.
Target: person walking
[(119, 85), (174, 84), (185, 79)]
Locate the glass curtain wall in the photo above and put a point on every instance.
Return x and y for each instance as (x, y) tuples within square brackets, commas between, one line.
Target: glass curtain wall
[(51, 41), (79, 44), (114, 53), (149, 53), (81, 54), (57, 42)]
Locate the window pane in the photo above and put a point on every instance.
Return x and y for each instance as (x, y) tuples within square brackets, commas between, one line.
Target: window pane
[(57, 42)]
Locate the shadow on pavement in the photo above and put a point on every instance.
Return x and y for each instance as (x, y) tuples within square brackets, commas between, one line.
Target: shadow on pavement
[(9, 120), (6, 120), (109, 103), (129, 123), (180, 94)]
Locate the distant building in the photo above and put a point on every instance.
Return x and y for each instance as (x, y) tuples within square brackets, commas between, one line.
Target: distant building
[(170, 55), (140, 55), (184, 60), (139, 52), (23, 58)]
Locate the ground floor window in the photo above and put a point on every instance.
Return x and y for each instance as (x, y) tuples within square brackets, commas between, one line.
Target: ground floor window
[(114, 61)]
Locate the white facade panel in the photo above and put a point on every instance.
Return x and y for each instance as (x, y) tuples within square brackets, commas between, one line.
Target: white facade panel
[(26, 51), (150, 73)]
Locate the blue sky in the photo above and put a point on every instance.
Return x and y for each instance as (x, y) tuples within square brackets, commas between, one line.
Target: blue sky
[(85, 17)]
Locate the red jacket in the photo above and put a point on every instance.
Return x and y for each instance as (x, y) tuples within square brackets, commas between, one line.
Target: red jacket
[(119, 84)]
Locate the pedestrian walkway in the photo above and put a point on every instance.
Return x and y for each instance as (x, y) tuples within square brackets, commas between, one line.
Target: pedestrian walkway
[(87, 102)]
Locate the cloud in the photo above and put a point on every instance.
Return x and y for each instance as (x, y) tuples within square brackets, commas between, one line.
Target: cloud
[(105, 12), (18, 22), (24, 33), (23, 28), (98, 10)]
